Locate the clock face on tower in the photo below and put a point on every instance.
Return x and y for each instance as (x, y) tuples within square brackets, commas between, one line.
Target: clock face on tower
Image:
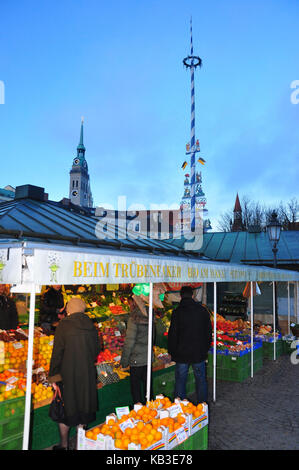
[(74, 193), (76, 161)]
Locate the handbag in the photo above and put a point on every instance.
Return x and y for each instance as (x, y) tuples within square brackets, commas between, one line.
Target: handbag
[(56, 410)]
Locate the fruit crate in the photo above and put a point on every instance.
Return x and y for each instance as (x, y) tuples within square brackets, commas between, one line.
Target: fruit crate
[(164, 384), (12, 408), (12, 443), (268, 349), (235, 368), (11, 427), (198, 441)]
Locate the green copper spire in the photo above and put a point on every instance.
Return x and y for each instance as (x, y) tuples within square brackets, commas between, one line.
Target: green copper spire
[(81, 147)]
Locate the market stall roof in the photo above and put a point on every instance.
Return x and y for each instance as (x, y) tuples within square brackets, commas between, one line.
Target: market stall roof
[(51, 222), (252, 248), (42, 242)]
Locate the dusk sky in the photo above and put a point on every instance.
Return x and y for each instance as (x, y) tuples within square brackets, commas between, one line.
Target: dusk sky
[(119, 64)]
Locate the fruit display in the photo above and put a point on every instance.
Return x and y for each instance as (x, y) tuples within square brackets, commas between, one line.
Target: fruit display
[(113, 334), (229, 326), (151, 426), (161, 357), (106, 356)]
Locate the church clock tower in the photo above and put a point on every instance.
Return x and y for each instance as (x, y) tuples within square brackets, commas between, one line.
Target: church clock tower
[(80, 193)]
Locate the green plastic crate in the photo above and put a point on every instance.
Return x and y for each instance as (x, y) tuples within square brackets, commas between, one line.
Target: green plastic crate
[(235, 368), (268, 349), (12, 408), (11, 427), (12, 443), (164, 384), (198, 441)]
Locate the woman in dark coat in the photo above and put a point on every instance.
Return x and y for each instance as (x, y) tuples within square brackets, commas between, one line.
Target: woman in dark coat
[(72, 367)]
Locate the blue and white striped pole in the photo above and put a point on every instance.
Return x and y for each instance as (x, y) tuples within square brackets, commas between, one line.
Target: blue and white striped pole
[(192, 62), (192, 142)]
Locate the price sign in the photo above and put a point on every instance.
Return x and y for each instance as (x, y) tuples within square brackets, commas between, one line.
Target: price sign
[(126, 424), (181, 435), (122, 410), (174, 410)]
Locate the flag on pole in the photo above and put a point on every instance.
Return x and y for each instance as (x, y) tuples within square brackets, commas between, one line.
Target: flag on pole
[(201, 160), (184, 165)]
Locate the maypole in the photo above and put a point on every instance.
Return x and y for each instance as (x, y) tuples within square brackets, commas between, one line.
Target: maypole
[(192, 62)]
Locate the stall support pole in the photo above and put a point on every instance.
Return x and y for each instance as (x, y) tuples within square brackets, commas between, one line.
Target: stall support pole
[(29, 370), (251, 325), (289, 309), (215, 341), (149, 343), (274, 315)]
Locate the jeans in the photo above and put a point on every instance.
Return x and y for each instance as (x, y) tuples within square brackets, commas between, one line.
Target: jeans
[(181, 375)]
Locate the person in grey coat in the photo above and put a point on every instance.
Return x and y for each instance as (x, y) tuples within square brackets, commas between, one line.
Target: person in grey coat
[(134, 354)]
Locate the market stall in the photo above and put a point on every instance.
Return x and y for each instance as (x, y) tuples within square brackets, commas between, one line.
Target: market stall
[(29, 265)]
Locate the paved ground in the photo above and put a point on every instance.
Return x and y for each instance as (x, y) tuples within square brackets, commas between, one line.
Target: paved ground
[(259, 414)]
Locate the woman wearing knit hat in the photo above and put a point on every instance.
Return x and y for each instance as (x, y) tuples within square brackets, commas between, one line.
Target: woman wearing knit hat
[(72, 368)]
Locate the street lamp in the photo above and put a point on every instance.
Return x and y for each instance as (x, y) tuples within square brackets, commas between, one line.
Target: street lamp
[(274, 229)]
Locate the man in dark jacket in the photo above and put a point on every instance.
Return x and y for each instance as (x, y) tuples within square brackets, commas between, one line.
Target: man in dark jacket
[(189, 339), (8, 310), (72, 367), (52, 308)]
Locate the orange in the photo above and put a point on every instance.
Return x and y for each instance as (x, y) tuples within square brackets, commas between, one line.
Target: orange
[(148, 427), (125, 442), (135, 439), (200, 407), (128, 432), (180, 419), (111, 422), (150, 439), (155, 423), (140, 425), (118, 435), (115, 428), (157, 436), (118, 443), (144, 443), (89, 435)]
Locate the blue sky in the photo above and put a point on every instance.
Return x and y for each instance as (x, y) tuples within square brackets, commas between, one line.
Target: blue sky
[(119, 64)]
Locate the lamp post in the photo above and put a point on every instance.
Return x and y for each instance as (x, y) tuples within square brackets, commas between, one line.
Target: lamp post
[(273, 230)]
